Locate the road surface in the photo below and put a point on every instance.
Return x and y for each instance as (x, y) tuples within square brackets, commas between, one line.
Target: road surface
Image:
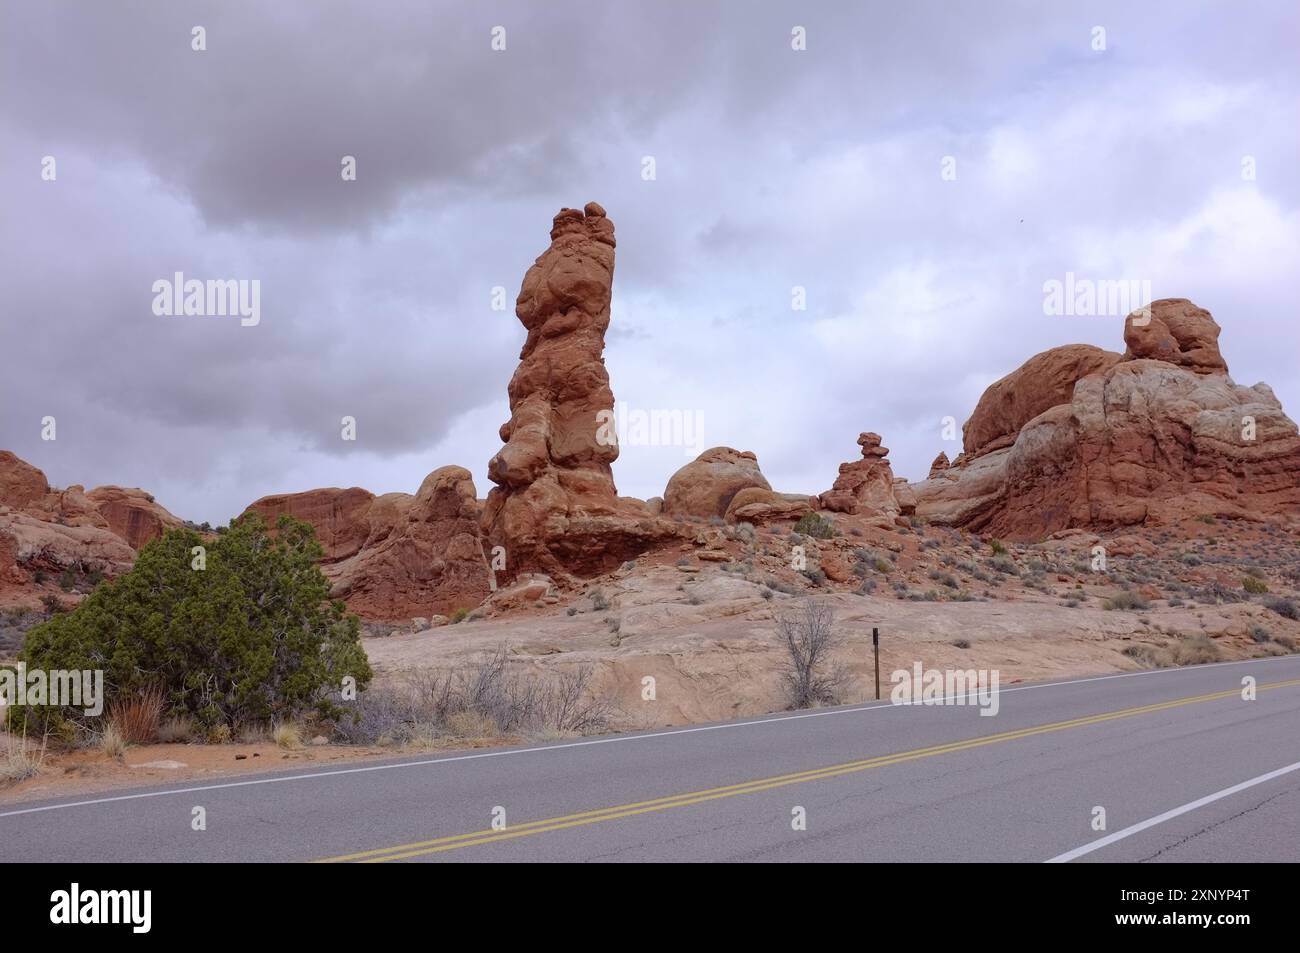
[(1184, 768)]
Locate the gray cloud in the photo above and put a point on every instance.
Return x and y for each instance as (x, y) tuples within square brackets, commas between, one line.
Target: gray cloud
[(775, 169)]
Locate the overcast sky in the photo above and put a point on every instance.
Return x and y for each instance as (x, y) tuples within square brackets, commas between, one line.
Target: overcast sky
[(774, 168)]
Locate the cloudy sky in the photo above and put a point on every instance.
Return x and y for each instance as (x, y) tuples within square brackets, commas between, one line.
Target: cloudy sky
[(1115, 156)]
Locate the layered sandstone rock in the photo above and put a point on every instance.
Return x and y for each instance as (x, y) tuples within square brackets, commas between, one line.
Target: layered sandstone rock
[(757, 505), (49, 531), (131, 513), (865, 487), (1137, 441), (939, 465), (1042, 382), (396, 556), (554, 508)]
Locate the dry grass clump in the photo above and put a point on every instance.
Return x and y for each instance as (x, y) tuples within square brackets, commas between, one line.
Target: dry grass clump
[(137, 717), (488, 699), (286, 734), (112, 742)]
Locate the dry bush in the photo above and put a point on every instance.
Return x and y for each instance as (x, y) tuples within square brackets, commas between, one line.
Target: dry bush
[(21, 761), (487, 699), (137, 717), (808, 634), (178, 729), (1197, 649), (112, 742), (287, 735)]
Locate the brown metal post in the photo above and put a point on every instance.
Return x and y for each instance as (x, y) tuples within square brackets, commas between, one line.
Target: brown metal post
[(875, 650)]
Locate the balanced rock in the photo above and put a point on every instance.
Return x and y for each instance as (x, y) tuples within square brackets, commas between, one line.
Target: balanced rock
[(866, 486)]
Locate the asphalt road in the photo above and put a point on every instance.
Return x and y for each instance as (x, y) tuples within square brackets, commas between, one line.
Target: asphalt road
[(1185, 769)]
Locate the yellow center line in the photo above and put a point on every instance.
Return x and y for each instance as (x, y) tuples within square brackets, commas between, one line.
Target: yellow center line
[(454, 842)]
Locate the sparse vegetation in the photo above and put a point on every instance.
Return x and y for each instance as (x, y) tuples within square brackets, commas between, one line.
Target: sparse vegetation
[(1254, 585), (815, 525), (1127, 601), (251, 638), (808, 634), (491, 692)]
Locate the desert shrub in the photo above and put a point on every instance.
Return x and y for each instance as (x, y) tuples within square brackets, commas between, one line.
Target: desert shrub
[(458, 615), (1196, 649), (176, 729), (251, 637), (137, 716), (815, 525), (20, 760), (1260, 634), (961, 643), (810, 675), (111, 741), (997, 547), (286, 734), (485, 699), (1255, 585), (598, 600), (1003, 563), (1283, 607), (67, 580), (814, 575), (1148, 655), (1129, 601)]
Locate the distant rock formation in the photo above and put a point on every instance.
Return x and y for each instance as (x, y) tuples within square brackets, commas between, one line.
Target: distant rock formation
[(396, 556), (939, 465), (722, 483), (48, 531), (554, 508), (1079, 437), (865, 487)]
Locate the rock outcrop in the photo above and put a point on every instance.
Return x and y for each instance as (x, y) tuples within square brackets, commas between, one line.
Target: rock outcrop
[(396, 556), (939, 465), (1177, 332), (706, 486), (865, 487), (554, 508), (1039, 384), (1138, 440), (46, 532)]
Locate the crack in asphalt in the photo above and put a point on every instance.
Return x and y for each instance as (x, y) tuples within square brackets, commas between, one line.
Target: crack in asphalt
[(1210, 827)]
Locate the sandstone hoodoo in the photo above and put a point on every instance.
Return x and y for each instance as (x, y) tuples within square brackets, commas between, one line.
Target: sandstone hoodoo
[(866, 487), (554, 508), (1158, 435), (722, 483)]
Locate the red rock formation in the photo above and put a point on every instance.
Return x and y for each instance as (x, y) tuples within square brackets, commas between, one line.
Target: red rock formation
[(705, 487), (1140, 441), (555, 508), (866, 486), (1175, 331), (1042, 382), (939, 465), (339, 516), (132, 514), (397, 556), (43, 530)]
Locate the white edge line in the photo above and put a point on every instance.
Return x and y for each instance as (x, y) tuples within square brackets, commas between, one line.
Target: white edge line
[(280, 779), (1070, 855)]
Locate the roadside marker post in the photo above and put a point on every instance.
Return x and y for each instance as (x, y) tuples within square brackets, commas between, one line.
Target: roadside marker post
[(875, 650)]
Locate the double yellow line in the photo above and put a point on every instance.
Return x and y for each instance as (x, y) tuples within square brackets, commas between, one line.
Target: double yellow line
[(458, 841)]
